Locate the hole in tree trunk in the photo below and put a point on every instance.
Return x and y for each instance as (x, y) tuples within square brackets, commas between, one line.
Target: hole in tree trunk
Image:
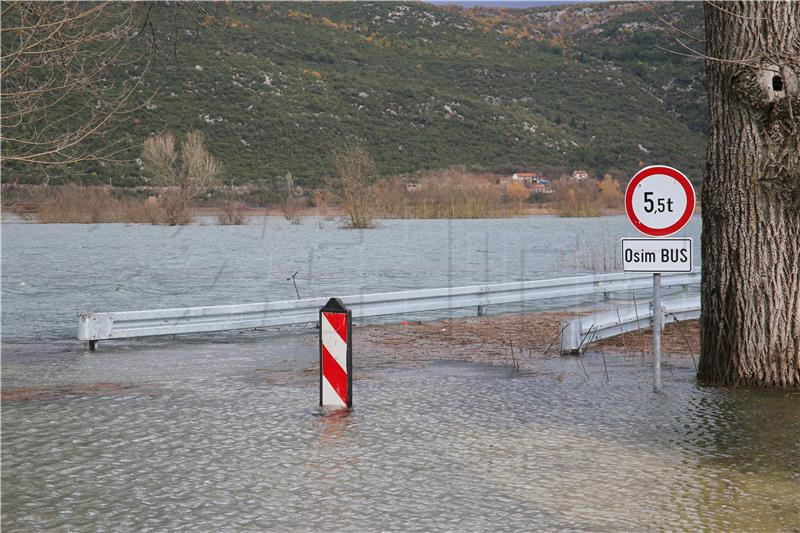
[(777, 83)]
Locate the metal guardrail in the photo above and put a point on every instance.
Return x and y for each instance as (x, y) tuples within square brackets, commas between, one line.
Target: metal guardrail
[(579, 333), (126, 324)]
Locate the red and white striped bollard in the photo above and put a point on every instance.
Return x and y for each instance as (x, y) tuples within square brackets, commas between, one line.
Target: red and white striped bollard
[(335, 355)]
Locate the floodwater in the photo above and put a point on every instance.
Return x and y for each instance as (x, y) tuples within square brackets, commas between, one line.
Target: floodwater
[(222, 432)]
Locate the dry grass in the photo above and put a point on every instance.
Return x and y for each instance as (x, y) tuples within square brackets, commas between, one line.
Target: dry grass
[(597, 253), (74, 204), (451, 193), (577, 199), (147, 212), (290, 207), (611, 194), (507, 339), (680, 339), (232, 214), (515, 340)]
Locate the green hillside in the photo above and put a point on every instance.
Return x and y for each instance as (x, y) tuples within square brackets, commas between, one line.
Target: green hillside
[(275, 87)]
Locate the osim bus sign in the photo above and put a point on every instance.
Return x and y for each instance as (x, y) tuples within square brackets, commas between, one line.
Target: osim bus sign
[(657, 255), (659, 201)]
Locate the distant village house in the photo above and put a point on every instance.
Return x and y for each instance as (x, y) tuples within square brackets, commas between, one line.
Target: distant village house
[(579, 175), (541, 188), (530, 177)]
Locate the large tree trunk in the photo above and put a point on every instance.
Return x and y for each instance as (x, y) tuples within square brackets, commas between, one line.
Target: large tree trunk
[(751, 196)]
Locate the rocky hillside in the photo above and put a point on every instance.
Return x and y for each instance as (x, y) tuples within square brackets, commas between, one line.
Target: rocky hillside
[(276, 86)]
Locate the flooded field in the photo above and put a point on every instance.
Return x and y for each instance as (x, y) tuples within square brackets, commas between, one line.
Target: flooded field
[(52, 271), (222, 432)]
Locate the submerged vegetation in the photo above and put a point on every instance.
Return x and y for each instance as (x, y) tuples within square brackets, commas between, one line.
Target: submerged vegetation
[(450, 193), (355, 169), (183, 173), (77, 204)]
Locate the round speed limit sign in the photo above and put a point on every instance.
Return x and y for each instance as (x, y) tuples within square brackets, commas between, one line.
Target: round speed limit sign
[(659, 200)]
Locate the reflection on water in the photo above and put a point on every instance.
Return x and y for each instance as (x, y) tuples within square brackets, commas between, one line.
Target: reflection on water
[(223, 432), (448, 446)]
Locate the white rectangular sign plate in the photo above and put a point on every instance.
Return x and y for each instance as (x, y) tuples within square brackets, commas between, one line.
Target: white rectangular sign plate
[(657, 255)]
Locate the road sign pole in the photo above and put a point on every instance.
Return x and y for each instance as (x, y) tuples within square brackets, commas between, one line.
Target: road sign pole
[(658, 320), (659, 202)]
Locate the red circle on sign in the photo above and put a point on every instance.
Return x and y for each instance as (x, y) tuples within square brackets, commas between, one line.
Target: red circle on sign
[(678, 176)]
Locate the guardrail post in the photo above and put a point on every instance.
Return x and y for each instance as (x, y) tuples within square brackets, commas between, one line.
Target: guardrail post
[(335, 355), (570, 336), (484, 302)]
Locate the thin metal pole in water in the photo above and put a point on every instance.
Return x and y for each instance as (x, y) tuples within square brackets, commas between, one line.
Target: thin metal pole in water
[(657, 321)]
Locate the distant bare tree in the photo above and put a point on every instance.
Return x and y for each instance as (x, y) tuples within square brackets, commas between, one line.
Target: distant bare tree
[(355, 169), (289, 206), (185, 173)]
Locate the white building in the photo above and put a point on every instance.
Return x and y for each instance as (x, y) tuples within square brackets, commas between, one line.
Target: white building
[(579, 175)]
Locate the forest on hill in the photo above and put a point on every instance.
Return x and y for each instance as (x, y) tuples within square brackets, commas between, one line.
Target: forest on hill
[(275, 87)]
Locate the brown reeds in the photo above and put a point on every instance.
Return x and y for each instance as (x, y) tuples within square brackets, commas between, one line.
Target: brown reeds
[(450, 193), (76, 204), (577, 198), (231, 214)]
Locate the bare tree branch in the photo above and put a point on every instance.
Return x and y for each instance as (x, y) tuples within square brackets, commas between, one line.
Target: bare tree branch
[(56, 64), (664, 21)]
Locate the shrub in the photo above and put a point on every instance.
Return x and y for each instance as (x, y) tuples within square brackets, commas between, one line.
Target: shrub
[(610, 192), (355, 169), (577, 199), (146, 212), (516, 194), (448, 193), (76, 204), (231, 214), (185, 173), (290, 206)]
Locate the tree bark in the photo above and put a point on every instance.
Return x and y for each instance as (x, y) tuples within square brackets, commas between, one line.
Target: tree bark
[(750, 324)]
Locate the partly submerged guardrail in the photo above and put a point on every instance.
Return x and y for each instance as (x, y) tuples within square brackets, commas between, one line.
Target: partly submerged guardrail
[(93, 327), (579, 333)]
